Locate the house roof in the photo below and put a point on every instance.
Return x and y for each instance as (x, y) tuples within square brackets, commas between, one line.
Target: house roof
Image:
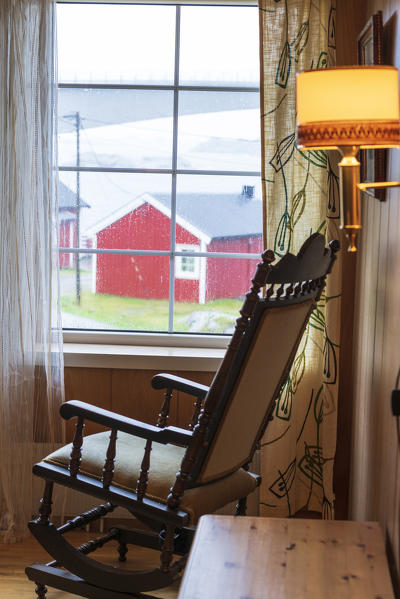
[(206, 215), (67, 198), (219, 214)]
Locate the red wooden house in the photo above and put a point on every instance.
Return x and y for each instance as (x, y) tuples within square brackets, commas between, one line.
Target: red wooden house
[(67, 223), (204, 223)]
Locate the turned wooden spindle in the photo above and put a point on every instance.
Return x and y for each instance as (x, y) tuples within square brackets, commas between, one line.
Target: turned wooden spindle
[(46, 503), (40, 591), (86, 518), (167, 549), (108, 470), (76, 453), (122, 551), (304, 288), (289, 290), (196, 412), (280, 290), (164, 413), (94, 544), (297, 289), (144, 472)]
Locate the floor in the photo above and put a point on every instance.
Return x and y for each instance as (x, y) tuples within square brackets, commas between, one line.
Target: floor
[(14, 558)]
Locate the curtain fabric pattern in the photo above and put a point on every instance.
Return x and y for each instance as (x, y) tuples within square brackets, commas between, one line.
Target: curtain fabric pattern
[(301, 196), (31, 363)]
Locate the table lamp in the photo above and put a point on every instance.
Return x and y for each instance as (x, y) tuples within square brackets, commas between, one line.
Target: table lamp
[(348, 108)]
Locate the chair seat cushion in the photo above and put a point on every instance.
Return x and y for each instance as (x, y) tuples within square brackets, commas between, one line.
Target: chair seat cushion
[(165, 461)]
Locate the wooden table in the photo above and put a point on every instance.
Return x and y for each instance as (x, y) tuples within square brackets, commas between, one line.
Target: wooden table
[(280, 558)]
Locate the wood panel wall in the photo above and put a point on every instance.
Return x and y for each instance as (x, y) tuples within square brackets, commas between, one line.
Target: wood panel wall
[(349, 22), (375, 473)]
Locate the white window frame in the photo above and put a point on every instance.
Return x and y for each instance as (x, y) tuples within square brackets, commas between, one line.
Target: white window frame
[(170, 338), (180, 272)]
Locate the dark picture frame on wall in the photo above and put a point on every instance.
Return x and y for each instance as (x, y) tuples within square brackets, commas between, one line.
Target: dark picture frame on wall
[(370, 52)]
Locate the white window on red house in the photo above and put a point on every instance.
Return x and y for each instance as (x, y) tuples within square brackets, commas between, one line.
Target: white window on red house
[(159, 164), (186, 266)]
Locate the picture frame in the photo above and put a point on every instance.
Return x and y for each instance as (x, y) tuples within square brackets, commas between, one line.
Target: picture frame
[(370, 52)]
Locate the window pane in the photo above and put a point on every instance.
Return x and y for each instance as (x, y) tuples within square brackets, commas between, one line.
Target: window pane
[(219, 45), (117, 128), (211, 303), (219, 214), (100, 43), (117, 292), (219, 131), (118, 210)]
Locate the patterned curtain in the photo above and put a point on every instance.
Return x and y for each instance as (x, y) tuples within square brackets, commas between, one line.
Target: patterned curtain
[(300, 192)]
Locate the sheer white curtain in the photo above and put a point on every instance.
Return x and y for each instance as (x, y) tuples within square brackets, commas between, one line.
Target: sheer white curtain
[(31, 364)]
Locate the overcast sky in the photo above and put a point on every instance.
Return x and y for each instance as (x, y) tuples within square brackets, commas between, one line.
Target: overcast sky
[(136, 43)]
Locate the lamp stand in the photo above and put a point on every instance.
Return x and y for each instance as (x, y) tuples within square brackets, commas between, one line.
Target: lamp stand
[(349, 180)]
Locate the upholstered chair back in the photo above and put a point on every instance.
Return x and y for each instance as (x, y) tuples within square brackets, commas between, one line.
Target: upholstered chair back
[(251, 399), (242, 396)]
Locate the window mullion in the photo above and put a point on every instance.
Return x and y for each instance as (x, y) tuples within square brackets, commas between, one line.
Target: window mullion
[(174, 167)]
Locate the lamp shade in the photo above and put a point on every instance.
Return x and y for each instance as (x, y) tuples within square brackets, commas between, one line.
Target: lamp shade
[(353, 106)]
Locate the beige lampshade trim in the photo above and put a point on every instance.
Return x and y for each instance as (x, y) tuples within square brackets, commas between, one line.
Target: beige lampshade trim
[(348, 133)]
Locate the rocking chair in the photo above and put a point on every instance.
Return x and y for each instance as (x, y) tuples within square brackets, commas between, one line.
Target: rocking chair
[(192, 471)]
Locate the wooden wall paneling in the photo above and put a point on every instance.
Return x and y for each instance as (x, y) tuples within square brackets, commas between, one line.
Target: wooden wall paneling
[(350, 19), (380, 393), (376, 454), (341, 470), (362, 446), (389, 505), (383, 499), (349, 22), (92, 385), (133, 396), (387, 500)]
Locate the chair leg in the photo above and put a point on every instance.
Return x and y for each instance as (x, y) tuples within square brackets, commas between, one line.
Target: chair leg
[(40, 591), (122, 550), (241, 507), (167, 549)]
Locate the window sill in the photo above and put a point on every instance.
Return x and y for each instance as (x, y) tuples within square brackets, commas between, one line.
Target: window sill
[(142, 357)]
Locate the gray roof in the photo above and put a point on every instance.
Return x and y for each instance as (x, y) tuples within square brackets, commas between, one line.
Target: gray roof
[(67, 198), (219, 214)]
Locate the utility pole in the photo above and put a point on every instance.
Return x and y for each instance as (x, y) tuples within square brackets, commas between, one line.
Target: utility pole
[(76, 117), (78, 206)]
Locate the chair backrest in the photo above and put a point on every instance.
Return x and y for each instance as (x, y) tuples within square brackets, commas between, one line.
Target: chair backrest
[(257, 363)]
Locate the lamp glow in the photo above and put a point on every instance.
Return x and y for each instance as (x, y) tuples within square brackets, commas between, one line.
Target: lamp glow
[(349, 108)]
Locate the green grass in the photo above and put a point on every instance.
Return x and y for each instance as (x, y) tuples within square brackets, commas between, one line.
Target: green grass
[(150, 315)]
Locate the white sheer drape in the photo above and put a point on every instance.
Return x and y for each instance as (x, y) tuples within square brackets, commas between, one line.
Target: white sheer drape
[(31, 364)]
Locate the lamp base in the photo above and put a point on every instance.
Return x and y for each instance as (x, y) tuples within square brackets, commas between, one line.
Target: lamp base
[(349, 177)]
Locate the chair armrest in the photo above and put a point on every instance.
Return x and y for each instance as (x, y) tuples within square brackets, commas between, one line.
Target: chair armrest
[(169, 434), (165, 381)]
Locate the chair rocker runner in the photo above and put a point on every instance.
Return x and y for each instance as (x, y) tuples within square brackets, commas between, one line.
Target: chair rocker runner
[(135, 465)]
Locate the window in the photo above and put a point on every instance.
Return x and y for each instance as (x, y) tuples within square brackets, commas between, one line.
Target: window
[(159, 165), (187, 267)]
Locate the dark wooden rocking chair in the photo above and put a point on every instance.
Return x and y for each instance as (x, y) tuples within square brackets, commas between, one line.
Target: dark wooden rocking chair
[(191, 472)]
